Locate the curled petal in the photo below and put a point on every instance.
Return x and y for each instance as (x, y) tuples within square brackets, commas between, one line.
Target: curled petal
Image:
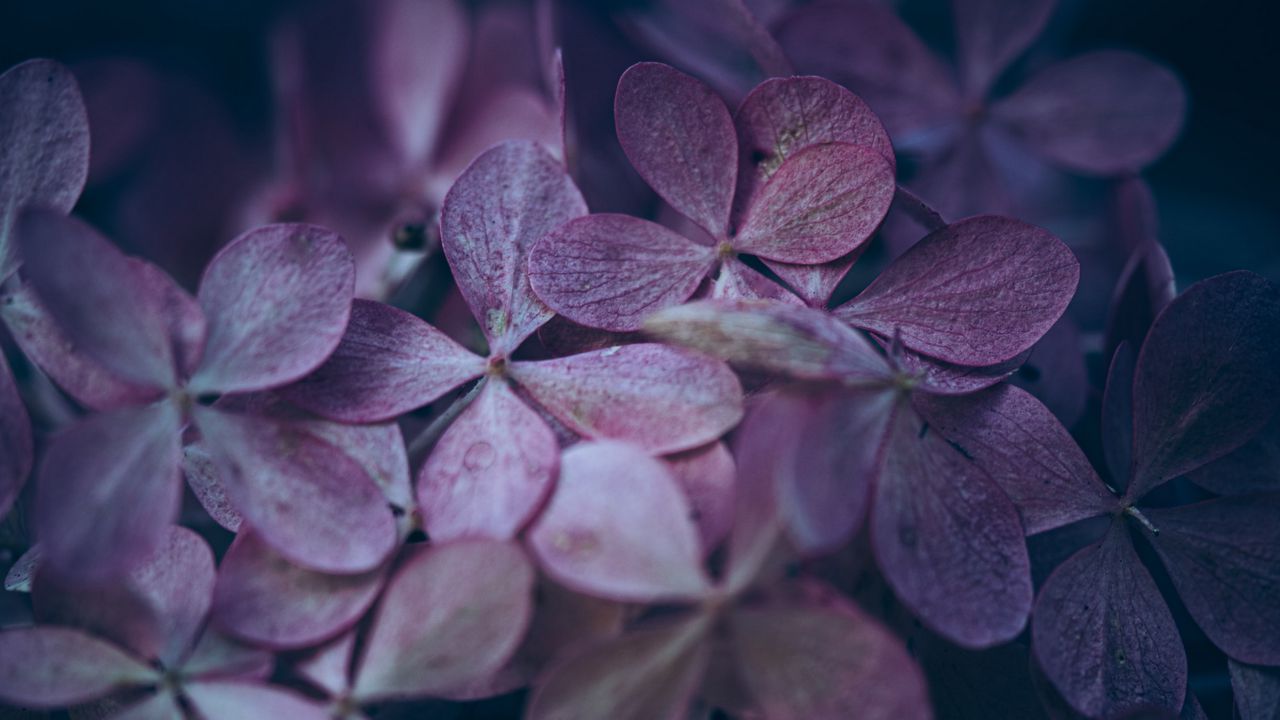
[(49, 667)]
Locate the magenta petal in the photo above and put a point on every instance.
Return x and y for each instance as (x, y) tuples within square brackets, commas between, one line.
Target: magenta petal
[(1104, 112), (648, 674), (977, 292), (490, 471), (1030, 455), (1256, 690), (816, 283), (803, 662), (1103, 634), (991, 34), (108, 489), (643, 549), (948, 540), (388, 363), (679, 136), (708, 476), (264, 599), (277, 299), (15, 440), (822, 203), (659, 398), (509, 198), (610, 271), (247, 700), (738, 281), (50, 667), (309, 500), (451, 615), (1206, 378), (1224, 558), (44, 146)]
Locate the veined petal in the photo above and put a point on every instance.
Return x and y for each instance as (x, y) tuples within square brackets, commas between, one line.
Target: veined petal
[(50, 667)]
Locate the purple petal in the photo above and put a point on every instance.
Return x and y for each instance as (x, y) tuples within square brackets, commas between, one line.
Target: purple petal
[(942, 378), (16, 450), (506, 201), (246, 700), (1117, 416), (1206, 378), (822, 203), (738, 281), (491, 471), (1104, 112), (662, 399), (1256, 690), (1030, 455), (310, 501), (991, 34), (761, 447), (1146, 285), (108, 489), (453, 614), (610, 271), (679, 136), (816, 283), (328, 667), (642, 550), (708, 476), (44, 146), (201, 471), (177, 582), (264, 599), (388, 363), (1222, 556), (948, 540), (216, 655), (1056, 374), (49, 667), (648, 674), (1255, 467), (825, 662), (98, 297), (1103, 634), (976, 292), (378, 448), (162, 705), (278, 299)]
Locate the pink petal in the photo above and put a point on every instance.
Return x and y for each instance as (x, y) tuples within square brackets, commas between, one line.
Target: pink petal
[(822, 203), (678, 135), (610, 271), (510, 197), (451, 615), (490, 471), (816, 283), (378, 448), (761, 446), (388, 363), (804, 662), (201, 471), (98, 297), (618, 526), (942, 378), (246, 700), (708, 477), (659, 398), (328, 667), (278, 299), (49, 667), (216, 655), (264, 599), (16, 450), (108, 489), (991, 34), (739, 281), (1117, 416), (308, 499), (44, 146), (976, 292), (948, 540), (648, 674), (1104, 112)]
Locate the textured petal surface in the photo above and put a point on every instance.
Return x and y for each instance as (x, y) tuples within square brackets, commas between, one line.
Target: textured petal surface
[(308, 499), (1024, 448), (990, 34), (490, 471), (245, 700), (1224, 557), (679, 136), (505, 202), (108, 489), (388, 363), (201, 471), (1104, 112), (976, 292), (451, 615), (1104, 636), (610, 271), (56, 667), (1206, 377), (816, 283), (660, 398), (16, 450), (1257, 690), (708, 476), (264, 599), (822, 203), (277, 299), (948, 540), (943, 378), (44, 145), (618, 526)]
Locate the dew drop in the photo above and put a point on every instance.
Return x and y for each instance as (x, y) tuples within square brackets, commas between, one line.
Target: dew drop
[(479, 456)]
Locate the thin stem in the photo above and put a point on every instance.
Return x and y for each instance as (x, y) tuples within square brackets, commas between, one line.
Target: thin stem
[(1136, 514), (918, 210)]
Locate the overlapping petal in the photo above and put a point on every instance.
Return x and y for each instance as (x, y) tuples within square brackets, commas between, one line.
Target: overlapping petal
[(50, 667)]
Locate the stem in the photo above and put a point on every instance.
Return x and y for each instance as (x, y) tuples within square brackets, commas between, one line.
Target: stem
[(918, 210), (1136, 514), (421, 445)]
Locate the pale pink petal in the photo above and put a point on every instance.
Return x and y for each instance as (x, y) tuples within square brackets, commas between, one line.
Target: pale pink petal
[(328, 667), (509, 198), (247, 700), (991, 34), (610, 271), (660, 398), (708, 476), (16, 450), (619, 527), (277, 299), (452, 614), (201, 472), (680, 138), (49, 667)]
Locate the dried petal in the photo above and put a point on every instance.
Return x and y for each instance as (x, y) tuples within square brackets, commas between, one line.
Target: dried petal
[(51, 667)]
